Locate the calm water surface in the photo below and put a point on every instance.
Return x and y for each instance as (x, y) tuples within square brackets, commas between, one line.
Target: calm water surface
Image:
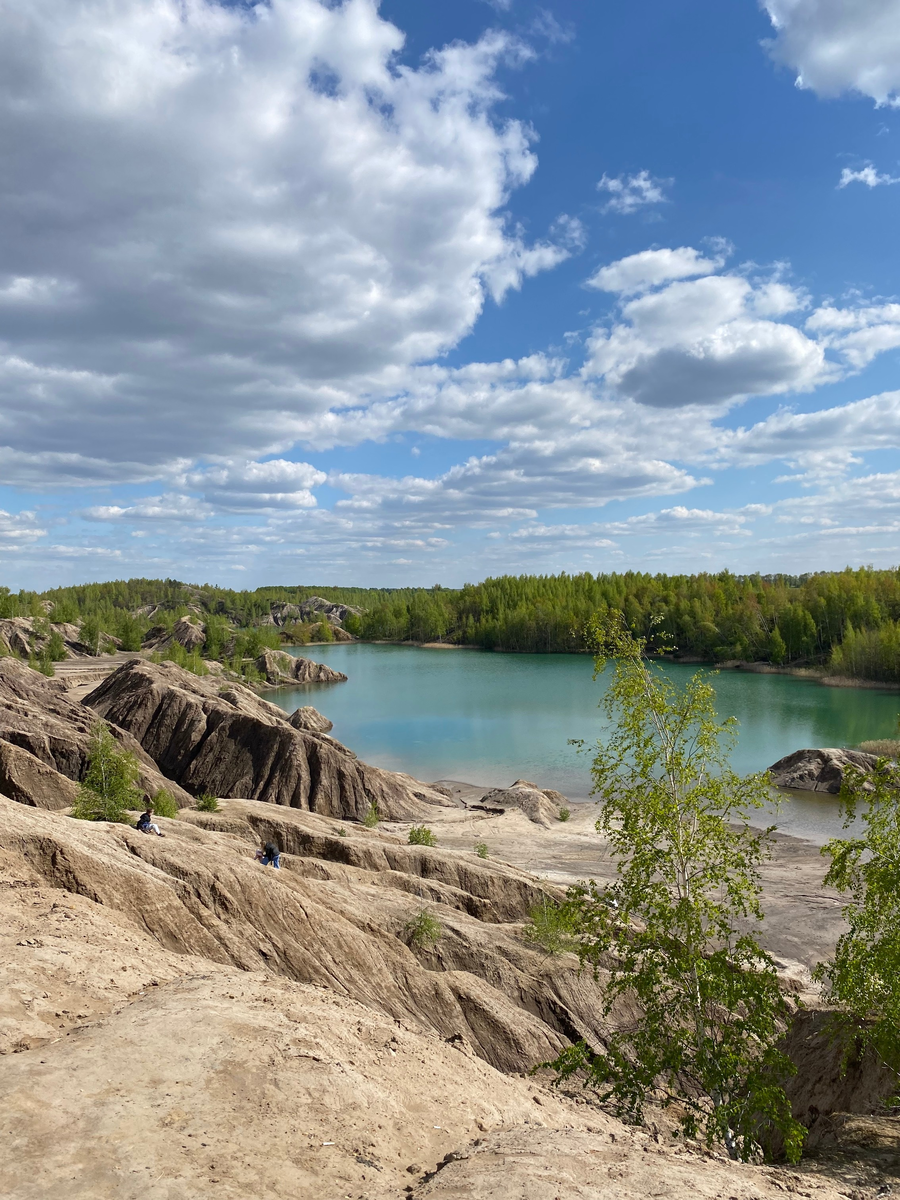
[(492, 718)]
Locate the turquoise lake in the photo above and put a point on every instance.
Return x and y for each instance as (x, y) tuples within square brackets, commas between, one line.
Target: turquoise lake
[(492, 718)]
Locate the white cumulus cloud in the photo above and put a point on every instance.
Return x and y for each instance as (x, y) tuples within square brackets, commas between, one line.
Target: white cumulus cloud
[(706, 340), (216, 220), (837, 46), (649, 268)]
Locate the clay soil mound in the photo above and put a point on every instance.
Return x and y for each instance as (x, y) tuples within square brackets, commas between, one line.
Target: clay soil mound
[(179, 1021)]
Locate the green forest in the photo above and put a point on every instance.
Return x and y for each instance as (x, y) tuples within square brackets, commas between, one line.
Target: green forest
[(845, 621)]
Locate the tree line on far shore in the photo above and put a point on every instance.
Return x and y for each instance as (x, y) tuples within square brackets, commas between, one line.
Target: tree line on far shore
[(845, 621)]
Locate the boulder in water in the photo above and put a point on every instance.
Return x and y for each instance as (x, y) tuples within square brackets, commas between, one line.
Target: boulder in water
[(818, 770), (280, 667), (311, 719)]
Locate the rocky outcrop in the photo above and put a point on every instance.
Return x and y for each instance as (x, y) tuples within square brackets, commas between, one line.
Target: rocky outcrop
[(310, 719), (45, 742), (316, 608), (188, 633), (23, 636), (228, 741), (539, 806), (818, 770), (279, 667), (305, 670)]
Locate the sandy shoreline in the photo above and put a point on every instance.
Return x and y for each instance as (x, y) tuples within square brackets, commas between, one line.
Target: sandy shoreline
[(803, 919)]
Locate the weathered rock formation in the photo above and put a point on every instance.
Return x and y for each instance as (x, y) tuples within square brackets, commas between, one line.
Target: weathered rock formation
[(45, 741), (280, 667), (316, 608), (23, 636), (312, 721), (228, 741), (539, 806), (338, 924), (818, 770), (188, 633), (178, 1021)]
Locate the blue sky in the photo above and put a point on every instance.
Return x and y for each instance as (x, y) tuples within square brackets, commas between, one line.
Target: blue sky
[(408, 293)]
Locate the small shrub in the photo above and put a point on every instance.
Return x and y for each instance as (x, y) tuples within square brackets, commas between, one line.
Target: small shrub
[(550, 926), (56, 648), (883, 747), (89, 635), (371, 819), (164, 804), (342, 832), (207, 803), (190, 660), (421, 835), (42, 662), (109, 788), (481, 849), (565, 813), (423, 930)]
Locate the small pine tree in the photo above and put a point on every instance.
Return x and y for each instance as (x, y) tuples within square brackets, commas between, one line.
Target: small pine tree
[(109, 788)]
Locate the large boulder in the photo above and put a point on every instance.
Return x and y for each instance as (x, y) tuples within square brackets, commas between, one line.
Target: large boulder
[(188, 633), (310, 719), (228, 741), (537, 805), (818, 770), (45, 741), (280, 667)]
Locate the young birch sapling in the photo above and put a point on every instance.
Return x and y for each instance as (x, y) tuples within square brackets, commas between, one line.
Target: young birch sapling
[(676, 931), (110, 786), (863, 978)]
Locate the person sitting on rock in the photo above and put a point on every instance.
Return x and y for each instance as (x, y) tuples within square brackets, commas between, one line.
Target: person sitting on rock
[(269, 855), (146, 824)]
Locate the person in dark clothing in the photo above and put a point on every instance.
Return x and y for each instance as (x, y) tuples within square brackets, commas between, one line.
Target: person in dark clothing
[(269, 855), (146, 824)]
